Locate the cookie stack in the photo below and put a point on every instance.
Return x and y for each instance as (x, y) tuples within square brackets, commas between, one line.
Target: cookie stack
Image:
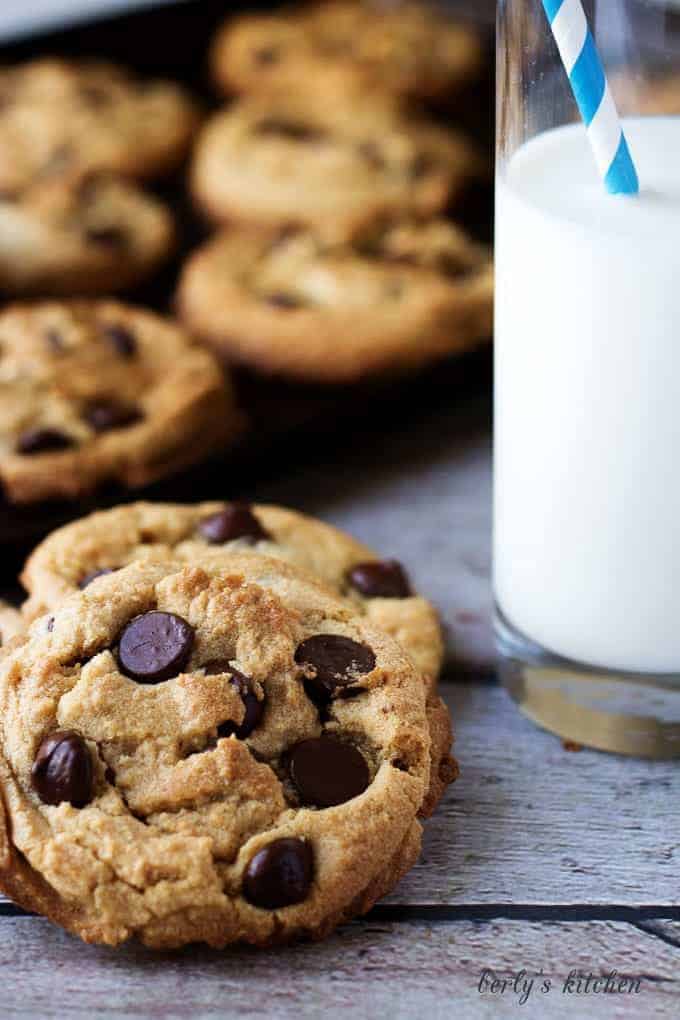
[(220, 723), (333, 262), (94, 391), (75, 138)]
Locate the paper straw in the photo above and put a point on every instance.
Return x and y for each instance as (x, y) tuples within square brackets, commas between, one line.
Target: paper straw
[(591, 90)]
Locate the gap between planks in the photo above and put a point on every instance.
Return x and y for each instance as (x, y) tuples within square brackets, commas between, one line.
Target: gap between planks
[(367, 970)]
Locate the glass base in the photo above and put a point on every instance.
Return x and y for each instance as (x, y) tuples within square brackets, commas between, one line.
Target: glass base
[(623, 713)]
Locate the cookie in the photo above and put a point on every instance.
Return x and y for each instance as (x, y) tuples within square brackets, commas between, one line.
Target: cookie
[(211, 752), (389, 302), (94, 391), (11, 623), (58, 115), (337, 168), (109, 539), (94, 235), (331, 49), (73, 556)]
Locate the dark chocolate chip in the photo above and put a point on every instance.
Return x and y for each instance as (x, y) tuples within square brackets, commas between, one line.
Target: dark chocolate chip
[(43, 441), (254, 708), (327, 771), (422, 164), (93, 575), (62, 770), (336, 660), (279, 874), (235, 521), (384, 579), (283, 300), (94, 95), (50, 624), (267, 55), (55, 341), (292, 130), (371, 153), (108, 237), (111, 414), (155, 646), (58, 160), (121, 339)]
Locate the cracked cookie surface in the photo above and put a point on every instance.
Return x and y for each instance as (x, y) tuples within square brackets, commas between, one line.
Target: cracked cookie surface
[(91, 235), (133, 808), (338, 168), (99, 390), (71, 557), (109, 539), (60, 115), (337, 47), (288, 303)]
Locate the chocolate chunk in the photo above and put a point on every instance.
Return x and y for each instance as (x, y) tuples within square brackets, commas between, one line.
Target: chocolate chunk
[(327, 771), (384, 579), (111, 414), (235, 521), (93, 575), (155, 646), (109, 237), (291, 130), (282, 300), (337, 661), (121, 339), (50, 624), (43, 441), (254, 708), (279, 874), (62, 770)]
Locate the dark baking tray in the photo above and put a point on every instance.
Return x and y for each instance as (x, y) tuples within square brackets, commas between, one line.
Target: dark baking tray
[(290, 424)]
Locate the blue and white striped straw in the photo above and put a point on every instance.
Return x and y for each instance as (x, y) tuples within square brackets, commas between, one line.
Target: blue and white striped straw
[(591, 91)]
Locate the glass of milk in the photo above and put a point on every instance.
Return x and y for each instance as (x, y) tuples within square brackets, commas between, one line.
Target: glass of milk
[(587, 406)]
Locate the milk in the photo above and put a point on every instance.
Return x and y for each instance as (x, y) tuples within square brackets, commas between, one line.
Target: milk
[(587, 468)]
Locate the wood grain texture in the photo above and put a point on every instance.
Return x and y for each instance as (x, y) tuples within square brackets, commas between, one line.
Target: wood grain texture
[(531, 823), (423, 496), (370, 971)]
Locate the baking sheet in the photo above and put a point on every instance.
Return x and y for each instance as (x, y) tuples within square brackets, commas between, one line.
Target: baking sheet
[(289, 422)]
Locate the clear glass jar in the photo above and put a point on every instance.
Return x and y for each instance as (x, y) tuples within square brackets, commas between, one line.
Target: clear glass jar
[(587, 380)]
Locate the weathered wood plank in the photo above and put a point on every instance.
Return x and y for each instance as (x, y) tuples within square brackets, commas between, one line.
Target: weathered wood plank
[(424, 496), (531, 823), (366, 970)]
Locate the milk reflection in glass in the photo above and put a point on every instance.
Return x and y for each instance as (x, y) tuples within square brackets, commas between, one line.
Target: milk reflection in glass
[(587, 474)]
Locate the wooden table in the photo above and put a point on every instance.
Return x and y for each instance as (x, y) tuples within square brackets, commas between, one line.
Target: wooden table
[(540, 860)]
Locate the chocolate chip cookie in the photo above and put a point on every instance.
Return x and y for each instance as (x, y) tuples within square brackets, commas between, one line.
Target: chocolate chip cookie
[(215, 751), (288, 303), (92, 391), (58, 115), (93, 235), (332, 48), (337, 168), (72, 557)]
